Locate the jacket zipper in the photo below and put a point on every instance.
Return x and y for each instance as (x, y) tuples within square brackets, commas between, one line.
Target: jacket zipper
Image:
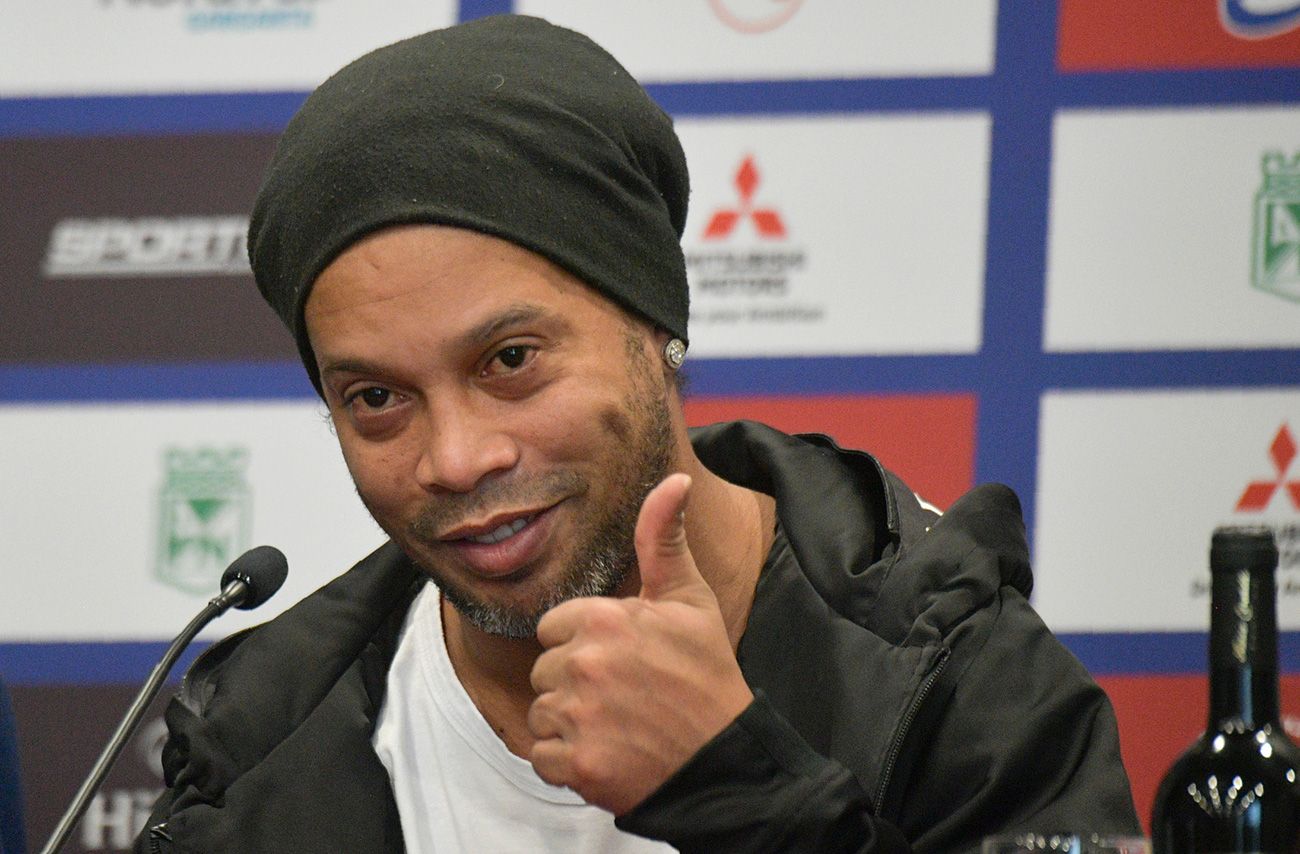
[(896, 747), (157, 833)]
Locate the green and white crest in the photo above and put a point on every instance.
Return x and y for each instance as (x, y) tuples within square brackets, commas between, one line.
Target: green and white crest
[(1275, 262), (204, 516)]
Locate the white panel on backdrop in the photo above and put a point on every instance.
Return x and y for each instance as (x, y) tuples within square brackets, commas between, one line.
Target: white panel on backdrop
[(842, 234), (1132, 484), (118, 519), (1174, 229), (691, 40), (95, 47)]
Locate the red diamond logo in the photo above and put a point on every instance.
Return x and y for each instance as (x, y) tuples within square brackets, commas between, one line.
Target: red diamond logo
[(1259, 493), (767, 221)]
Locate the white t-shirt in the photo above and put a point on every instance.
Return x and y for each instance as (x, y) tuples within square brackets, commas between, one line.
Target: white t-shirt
[(458, 788)]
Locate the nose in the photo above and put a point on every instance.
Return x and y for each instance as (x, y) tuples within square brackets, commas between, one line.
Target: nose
[(461, 446)]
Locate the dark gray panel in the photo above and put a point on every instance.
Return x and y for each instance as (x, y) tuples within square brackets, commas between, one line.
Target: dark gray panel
[(120, 249)]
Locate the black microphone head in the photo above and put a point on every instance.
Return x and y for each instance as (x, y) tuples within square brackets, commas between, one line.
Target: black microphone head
[(262, 570)]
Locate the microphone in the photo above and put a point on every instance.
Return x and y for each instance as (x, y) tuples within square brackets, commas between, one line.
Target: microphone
[(253, 578)]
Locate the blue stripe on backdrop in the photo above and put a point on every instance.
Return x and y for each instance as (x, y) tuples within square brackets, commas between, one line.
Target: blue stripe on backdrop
[(88, 663), (940, 374), (1173, 89), (1132, 653), (1206, 368), (772, 97), (1138, 653), (471, 9), (250, 112), (1007, 430), (268, 112), (135, 381)]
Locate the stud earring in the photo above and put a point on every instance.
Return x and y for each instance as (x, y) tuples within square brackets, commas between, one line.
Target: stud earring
[(675, 353)]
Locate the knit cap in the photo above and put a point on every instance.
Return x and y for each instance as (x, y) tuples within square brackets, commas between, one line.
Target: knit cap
[(507, 125)]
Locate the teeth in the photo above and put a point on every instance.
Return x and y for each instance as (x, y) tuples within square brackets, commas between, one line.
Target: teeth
[(507, 530)]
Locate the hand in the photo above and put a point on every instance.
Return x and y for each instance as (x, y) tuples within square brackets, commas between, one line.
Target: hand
[(629, 689)]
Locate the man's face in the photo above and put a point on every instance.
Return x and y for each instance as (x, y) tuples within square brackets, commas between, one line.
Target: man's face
[(502, 421)]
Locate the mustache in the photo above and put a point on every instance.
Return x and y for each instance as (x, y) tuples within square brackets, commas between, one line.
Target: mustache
[(442, 513)]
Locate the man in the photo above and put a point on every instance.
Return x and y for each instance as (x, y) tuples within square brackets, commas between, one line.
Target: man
[(637, 637)]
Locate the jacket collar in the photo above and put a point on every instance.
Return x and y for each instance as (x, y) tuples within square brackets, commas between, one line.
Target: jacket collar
[(851, 523)]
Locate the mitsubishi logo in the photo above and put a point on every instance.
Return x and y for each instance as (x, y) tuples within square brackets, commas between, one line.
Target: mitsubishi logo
[(1260, 492), (766, 220)]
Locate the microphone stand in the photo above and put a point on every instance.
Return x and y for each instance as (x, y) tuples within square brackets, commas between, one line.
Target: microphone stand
[(232, 594)]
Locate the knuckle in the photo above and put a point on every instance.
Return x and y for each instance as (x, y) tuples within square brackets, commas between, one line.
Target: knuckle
[(589, 770), (542, 676), (589, 665), (603, 616), (538, 717)]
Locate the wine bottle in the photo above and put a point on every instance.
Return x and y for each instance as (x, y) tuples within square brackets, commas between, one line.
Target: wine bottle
[(1236, 789)]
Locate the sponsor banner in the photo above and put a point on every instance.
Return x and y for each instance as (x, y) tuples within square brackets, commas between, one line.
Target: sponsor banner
[(152, 46), (785, 39), (1119, 35), (928, 440), (1160, 717), (130, 513), (817, 235), (61, 731), (1174, 229), (1132, 484), (136, 251)]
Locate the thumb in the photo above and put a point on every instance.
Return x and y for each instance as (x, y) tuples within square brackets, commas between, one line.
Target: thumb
[(668, 570)]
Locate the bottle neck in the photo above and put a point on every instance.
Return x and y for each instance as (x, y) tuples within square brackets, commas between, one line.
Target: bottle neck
[(1243, 650)]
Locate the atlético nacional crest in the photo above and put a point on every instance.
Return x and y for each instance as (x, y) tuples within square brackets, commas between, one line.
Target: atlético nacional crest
[(1275, 262), (204, 516)]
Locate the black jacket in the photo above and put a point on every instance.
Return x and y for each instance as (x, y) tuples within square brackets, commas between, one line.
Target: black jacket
[(907, 693)]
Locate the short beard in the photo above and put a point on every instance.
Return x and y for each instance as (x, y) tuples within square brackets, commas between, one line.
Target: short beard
[(601, 564)]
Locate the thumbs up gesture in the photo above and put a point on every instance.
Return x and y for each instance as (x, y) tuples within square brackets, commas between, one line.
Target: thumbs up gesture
[(629, 689)]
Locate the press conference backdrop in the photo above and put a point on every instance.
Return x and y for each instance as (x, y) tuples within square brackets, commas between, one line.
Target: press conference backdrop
[(1054, 245)]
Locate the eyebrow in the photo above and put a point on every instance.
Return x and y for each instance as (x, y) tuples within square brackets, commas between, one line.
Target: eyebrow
[(514, 315), (483, 333)]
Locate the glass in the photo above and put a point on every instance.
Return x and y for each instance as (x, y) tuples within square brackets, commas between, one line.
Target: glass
[(1065, 843)]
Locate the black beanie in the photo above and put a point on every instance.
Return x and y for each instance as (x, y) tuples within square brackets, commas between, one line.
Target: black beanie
[(507, 125)]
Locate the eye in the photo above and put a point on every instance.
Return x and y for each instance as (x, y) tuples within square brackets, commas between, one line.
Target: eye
[(509, 359), (373, 410), (370, 401), (373, 397)]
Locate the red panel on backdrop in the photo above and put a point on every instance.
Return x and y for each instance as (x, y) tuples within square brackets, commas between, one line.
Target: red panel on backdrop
[(928, 440), (1160, 716), (1119, 35)]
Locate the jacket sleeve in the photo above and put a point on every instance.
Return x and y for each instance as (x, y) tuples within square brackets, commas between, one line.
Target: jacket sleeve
[(758, 786), (1019, 738), (1024, 740)]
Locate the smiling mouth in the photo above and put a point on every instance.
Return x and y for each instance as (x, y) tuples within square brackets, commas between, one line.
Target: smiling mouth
[(502, 532)]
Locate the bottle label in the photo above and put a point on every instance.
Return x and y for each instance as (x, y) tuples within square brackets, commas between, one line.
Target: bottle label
[(1243, 628)]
